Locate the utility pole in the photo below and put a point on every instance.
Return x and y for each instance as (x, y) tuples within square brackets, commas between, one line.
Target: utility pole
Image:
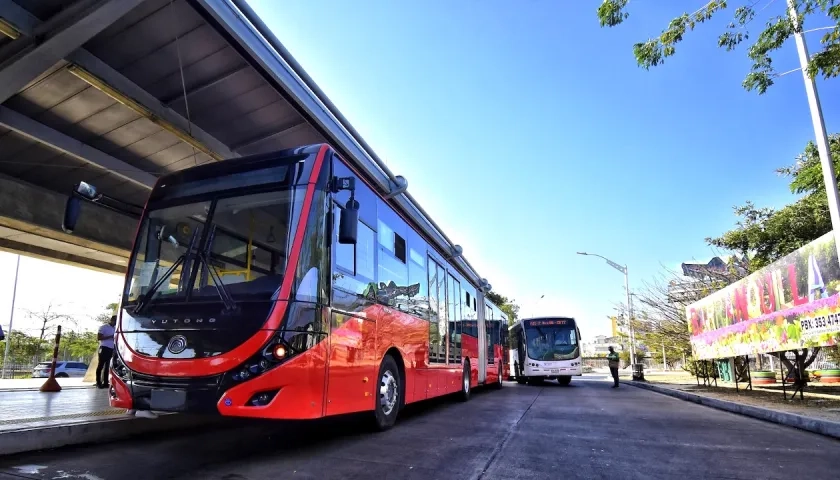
[(664, 362), (622, 269), (630, 317), (829, 177), (11, 320)]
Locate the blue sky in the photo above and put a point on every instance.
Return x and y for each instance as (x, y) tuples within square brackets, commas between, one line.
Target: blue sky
[(529, 132)]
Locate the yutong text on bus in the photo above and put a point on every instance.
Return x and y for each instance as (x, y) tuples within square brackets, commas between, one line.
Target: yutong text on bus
[(284, 286)]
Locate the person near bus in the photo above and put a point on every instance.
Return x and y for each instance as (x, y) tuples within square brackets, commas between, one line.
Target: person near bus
[(106, 350), (612, 357)]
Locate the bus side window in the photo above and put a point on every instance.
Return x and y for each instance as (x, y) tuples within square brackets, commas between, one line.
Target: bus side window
[(353, 273)]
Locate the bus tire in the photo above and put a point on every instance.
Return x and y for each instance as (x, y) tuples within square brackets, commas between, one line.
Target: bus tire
[(388, 388), (564, 380), (466, 388), (498, 384)]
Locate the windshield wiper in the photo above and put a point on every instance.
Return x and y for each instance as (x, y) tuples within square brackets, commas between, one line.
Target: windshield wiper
[(221, 289), (144, 300)]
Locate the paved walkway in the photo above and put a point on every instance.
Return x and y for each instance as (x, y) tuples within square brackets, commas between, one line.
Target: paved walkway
[(22, 409)]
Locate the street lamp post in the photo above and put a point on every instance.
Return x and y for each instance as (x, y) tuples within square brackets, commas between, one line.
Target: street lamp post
[(819, 125), (622, 269), (534, 307), (11, 321)]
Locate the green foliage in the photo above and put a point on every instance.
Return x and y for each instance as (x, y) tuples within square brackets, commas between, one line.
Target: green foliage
[(776, 32), (766, 234), (508, 306), (624, 357), (806, 173), (79, 345), (24, 348), (832, 354), (105, 316)]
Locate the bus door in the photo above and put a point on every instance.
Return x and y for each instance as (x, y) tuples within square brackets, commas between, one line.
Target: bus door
[(353, 317), (520, 347), (482, 342), (492, 334)]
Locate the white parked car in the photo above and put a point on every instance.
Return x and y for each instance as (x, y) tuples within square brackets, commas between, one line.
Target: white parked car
[(62, 369)]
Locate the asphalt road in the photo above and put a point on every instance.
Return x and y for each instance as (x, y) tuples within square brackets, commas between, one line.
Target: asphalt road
[(586, 430)]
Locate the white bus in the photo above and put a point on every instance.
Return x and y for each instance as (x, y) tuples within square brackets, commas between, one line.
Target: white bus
[(545, 348)]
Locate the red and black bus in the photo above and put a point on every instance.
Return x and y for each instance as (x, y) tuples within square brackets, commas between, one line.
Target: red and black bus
[(285, 286)]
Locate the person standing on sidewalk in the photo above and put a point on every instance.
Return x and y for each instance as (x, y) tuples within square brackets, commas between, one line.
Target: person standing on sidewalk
[(612, 357), (106, 350)]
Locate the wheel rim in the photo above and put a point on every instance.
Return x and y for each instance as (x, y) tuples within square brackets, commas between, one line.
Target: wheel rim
[(388, 392), (466, 381)]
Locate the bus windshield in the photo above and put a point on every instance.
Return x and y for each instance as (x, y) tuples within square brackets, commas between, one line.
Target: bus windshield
[(551, 339), (229, 246)]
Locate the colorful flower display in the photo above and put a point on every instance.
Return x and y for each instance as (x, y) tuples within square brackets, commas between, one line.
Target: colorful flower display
[(792, 303)]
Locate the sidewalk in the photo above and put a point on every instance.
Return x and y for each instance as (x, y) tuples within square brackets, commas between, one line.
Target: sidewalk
[(24, 409), (820, 401), (818, 412), (31, 420)]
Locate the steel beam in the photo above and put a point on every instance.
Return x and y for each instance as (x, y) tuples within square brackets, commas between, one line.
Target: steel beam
[(146, 100), (20, 70), (179, 98), (153, 108), (41, 133), (19, 17)]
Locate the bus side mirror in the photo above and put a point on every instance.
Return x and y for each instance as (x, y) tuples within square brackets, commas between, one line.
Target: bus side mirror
[(73, 207), (71, 214), (348, 223)]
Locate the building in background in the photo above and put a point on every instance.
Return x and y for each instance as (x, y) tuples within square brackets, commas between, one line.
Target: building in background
[(599, 346)]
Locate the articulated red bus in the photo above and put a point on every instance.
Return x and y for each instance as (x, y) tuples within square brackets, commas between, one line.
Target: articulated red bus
[(285, 286)]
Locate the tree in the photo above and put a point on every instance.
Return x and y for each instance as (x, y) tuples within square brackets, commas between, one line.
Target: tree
[(105, 316), (24, 348), (776, 32), (766, 234), (659, 309), (79, 345), (508, 306), (47, 318)]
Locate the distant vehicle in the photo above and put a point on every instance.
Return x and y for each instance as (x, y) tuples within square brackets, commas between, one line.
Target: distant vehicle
[(62, 369), (545, 348)]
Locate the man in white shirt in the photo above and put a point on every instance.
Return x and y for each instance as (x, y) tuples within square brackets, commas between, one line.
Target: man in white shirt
[(106, 350)]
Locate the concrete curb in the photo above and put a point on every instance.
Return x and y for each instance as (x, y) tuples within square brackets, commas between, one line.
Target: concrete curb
[(814, 425), (101, 430)]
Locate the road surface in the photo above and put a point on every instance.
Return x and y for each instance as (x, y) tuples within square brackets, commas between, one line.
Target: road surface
[(586, 430)]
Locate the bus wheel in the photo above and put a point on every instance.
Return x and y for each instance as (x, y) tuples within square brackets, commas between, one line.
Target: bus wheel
[(565, 380), (466, 389), (387, 394), (498, 383)]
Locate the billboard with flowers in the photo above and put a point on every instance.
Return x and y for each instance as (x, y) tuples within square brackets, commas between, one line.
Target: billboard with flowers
[(790, 304)]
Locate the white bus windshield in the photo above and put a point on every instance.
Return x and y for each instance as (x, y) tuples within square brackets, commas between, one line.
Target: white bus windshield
[(551, 339)]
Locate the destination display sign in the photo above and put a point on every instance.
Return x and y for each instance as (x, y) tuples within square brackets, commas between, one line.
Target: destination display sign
[(546, 323)]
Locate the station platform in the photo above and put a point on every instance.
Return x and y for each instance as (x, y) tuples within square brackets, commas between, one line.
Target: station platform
[(23, 408), (78, 414)]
